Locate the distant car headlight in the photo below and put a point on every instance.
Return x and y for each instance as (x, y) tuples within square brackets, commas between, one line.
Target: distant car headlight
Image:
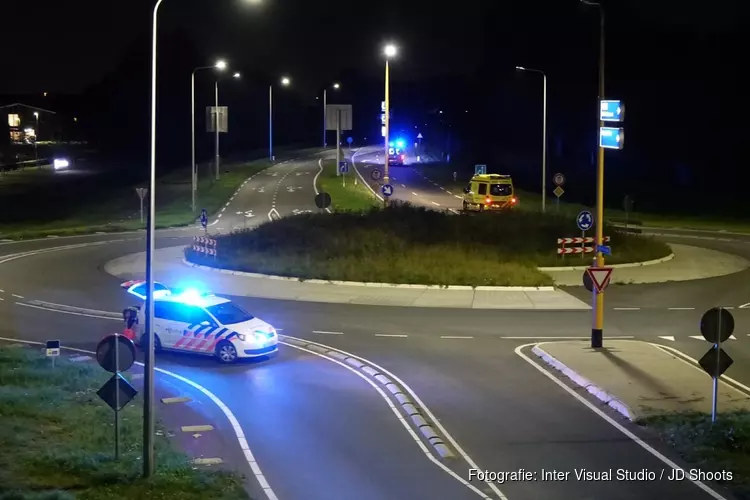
[(60, 163)]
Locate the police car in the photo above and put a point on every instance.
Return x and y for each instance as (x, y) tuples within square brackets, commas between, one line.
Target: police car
[(203, 323)]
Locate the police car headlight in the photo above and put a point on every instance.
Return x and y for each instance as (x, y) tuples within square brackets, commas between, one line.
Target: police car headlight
[(241, 336)]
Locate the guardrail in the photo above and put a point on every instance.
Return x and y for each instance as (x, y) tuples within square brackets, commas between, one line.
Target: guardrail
[(582, 249), (626, 225), (204, 244)]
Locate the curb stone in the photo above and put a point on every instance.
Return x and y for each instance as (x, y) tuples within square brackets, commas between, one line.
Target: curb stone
[(585, 383), (614, 266)]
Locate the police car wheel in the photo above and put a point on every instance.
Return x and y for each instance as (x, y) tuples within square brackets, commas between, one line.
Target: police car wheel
[(226, 352)]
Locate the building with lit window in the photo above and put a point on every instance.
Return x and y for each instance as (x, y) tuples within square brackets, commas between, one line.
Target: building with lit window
[(29, 124)]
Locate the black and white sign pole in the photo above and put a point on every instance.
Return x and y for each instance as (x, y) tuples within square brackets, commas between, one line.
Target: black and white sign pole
[(717, 373), (117, 397), (148, 400)]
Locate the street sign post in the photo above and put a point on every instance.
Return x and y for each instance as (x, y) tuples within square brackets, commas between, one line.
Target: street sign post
[(376, 174), (323, 200), (558, 179), (419, 138), (717, 325), (343, 169), (559, 191), (387, 190), (606, 250), (611, 137), (584, 221), (480, 169), (115, 353), (142, 195), (612, 111), (52, 350)]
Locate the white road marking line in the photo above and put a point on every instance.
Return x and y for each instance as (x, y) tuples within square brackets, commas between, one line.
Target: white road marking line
[(69, 312), (2, 291), (415, 194), (680, 308), (197, 428), (219, 216), (627, 308), (420, 404), (181, 399), (236, 427), (456, 337), (697, 337), (436, 204), (390, 335), (667, 337), (448, 192), (611, 421), (327, 333), (531, 337), (2, 298), (453, 210), (743, 306), (403, 186), (459, 197), (17, 296)]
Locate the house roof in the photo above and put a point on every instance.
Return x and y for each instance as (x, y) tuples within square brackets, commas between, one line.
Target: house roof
[(27, 106)]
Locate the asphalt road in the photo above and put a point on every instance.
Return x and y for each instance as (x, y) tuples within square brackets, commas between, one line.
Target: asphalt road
[(320, 432)]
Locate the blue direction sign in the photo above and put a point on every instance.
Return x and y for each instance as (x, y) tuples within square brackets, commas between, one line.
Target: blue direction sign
[(611, 137), (349, 140), (585, 220), (480, 169), (605, 250), (204, 218), (612, 111), (387, 190), (343, 167)]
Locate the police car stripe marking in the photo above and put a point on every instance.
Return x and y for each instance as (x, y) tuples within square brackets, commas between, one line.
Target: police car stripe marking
[(216, 340), (233, 334), (206, 338)]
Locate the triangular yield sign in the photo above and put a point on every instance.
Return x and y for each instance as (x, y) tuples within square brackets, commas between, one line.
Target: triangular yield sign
[(600, 276)]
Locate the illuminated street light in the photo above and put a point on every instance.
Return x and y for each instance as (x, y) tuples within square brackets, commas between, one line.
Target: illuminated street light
[(544, 132), (220, 65), (236, 75), (325, 109), (390, 50), (285, 81)]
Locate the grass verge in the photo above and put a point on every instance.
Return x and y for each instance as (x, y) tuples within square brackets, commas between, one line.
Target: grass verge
[(91, 203), (407, 244), (352, 196), (720, 447), (56, 441), (442, 173)]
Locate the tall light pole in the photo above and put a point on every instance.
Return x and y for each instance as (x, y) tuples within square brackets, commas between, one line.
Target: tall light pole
[(220, 65), (285, 81), (390, 51), (598, 326), (216, 123), (544, 133), (148, 379), (36, 135), (325, 110)]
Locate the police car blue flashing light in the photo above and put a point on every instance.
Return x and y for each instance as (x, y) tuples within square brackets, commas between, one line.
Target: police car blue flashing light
[(400, 143)]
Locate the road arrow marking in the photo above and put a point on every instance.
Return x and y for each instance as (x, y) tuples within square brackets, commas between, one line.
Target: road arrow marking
[(697, 337), (667, 337)]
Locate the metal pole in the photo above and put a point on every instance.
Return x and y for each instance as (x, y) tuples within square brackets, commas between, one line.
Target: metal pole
[(325, 110), (386, 177), (142, 209), (216, 123), (338, 142), (270, 122), (597, 332), (717, 346), (148, 379), (544, 147), (117, 397), (192, 142)]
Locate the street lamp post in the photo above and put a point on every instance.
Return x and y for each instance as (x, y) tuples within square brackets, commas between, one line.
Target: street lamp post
[(390, 51), (216, 124), (36, 135), (325, 112), (284, 81), (597, 330), (220, 65), (544, 133)]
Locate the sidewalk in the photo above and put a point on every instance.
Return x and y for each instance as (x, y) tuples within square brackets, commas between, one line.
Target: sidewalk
[(169, 269), (689, 263), (638, 379)]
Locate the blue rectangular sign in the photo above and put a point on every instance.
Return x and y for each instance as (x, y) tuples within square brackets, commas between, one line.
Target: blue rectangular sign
[(611, 137), (612, 111)]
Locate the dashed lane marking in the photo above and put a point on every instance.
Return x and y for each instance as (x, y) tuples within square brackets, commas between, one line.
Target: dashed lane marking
[(323, 332), (415, 194), (627, 308), (390, 335), (456, 337), (680, 308), (436, 204), (17, 296)]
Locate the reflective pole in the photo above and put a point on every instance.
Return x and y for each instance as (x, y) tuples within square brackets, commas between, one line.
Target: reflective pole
[(148, 399), (192, 138), (325, 110), (597, 332), (270, 122), (386, 177), (216, 122)]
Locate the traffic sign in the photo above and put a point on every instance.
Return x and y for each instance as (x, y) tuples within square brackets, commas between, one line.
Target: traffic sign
[(111, 344), (387, 190), (204, 218), (109, 392), (480, 169), (611, 137), (713, 366), (558, 179), (376, 175), (419, 136), (141, 192), (600, 277), (587, 283), (585, 220), (343, 167), (717, 325), (349, 140), (558, 191), (605, 250), (612, 111), (323, 200), (52, 348)]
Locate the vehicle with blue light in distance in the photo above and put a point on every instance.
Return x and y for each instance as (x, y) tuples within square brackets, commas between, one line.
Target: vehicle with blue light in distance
[(187, 320), (397, 152)]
